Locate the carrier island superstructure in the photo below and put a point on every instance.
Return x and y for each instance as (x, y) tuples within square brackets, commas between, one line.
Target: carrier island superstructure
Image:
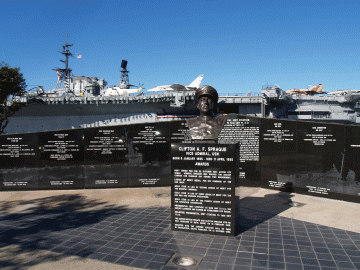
[(82, 102)]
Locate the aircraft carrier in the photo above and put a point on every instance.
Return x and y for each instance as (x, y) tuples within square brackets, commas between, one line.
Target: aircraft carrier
[(82, 102)]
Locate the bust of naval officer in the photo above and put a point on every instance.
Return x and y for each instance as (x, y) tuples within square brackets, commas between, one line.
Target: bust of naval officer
[(206, 127)]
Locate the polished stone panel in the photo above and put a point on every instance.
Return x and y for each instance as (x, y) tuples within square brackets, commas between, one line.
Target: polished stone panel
[(203, 188), (148, 154), (278, 154), (319, 159), (351, 168), (61, 159), (245, 131), (105, 154), (19, 156)]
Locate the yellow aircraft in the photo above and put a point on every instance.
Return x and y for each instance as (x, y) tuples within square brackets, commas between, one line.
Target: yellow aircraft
[(312, 90)]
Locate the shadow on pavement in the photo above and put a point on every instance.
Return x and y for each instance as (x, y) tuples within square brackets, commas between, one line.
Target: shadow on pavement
[(53, 228), (252, 211), (30, 228)]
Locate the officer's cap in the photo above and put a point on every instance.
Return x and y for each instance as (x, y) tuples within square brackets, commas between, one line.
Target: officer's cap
[(207, 90)]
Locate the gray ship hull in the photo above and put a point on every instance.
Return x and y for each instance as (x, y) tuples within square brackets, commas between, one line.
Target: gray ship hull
[(45, 114), (56, 113)]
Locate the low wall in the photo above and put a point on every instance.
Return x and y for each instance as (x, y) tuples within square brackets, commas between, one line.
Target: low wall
[(312, 158)]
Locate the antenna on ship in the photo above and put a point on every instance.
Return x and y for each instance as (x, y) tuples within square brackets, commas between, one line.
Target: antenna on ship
[(124, 79), (64, 74)]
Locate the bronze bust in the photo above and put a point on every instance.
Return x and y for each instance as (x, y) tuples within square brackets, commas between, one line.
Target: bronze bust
[(206, 127)]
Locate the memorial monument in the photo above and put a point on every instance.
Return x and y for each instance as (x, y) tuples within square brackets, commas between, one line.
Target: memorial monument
[(206, 127), (204, 173)]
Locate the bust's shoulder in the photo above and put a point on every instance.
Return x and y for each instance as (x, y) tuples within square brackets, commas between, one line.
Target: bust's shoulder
[(220, 120), (191, 122)]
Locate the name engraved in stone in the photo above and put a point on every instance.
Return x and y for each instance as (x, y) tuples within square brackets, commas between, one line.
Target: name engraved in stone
[(277, 134), (15, 183), (106, 182), (240, 131), (182, 134), (61, 149), (149, 181), (275, 184), (15, 148), (202, 155), (319, 138), (61, 183), (318, 190), (107, 143), (149, 136)]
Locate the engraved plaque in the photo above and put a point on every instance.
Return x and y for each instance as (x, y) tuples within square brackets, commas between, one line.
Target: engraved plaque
[(319, 159), (351, 168), (62, 159), (278, 154), (245, 131), (148, 154), (179, 132), (203, 188), (105, 157), (19, 154)]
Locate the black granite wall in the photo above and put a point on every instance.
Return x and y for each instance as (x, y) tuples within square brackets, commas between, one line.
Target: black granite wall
[(103, 157), (306, 157)]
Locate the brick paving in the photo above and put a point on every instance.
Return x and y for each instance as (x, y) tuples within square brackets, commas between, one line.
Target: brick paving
[(142, 238)]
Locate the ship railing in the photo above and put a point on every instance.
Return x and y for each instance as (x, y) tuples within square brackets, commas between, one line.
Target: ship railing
[(132, 119), (160, 97), (239, 94)]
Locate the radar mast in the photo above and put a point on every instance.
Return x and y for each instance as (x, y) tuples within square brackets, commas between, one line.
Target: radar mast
[(124, 78), (64, 74)]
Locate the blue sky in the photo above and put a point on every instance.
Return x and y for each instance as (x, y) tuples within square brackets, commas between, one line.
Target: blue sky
[(239, 46)]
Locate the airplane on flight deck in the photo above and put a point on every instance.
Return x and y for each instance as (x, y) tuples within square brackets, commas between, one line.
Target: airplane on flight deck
[(312, 90), (117, 91), (178, 87)]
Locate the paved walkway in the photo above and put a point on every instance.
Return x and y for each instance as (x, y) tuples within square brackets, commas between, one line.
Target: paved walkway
[(130, 229)]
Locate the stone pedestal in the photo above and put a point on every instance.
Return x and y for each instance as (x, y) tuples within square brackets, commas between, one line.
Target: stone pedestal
[(203, 188)]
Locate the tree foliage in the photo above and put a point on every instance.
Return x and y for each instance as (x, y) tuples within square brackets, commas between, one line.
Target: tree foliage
[(12, 82)]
